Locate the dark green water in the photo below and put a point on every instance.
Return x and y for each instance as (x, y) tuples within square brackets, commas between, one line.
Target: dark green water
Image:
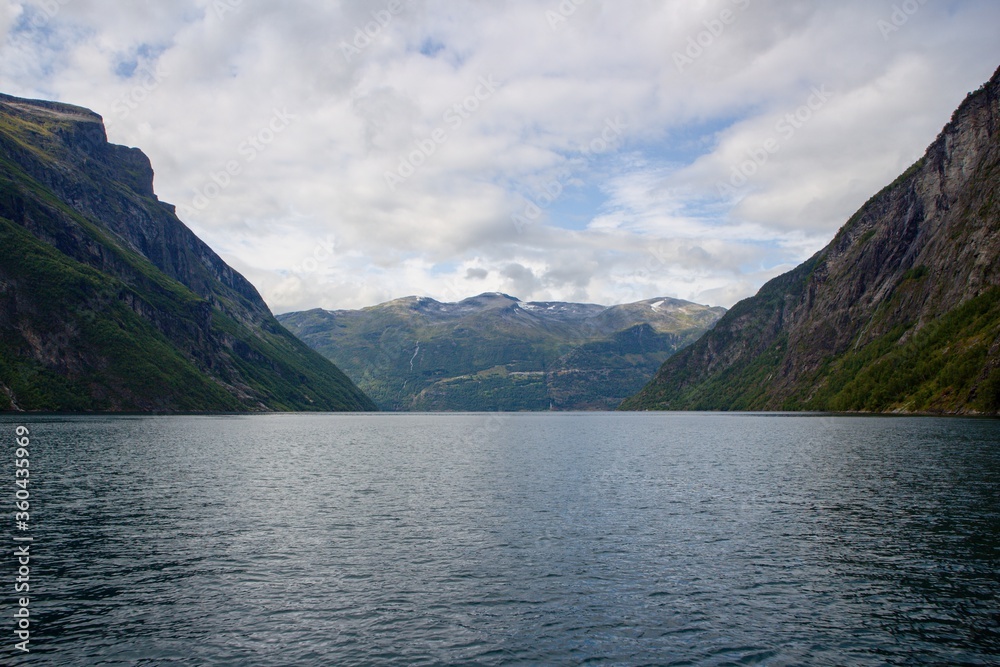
[(527, 539)]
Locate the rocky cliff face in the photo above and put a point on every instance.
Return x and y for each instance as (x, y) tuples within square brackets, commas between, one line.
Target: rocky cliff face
[(898, 313), (109, 302), (113, 185)]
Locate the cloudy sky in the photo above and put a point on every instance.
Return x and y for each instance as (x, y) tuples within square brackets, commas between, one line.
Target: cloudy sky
[(341, 154)]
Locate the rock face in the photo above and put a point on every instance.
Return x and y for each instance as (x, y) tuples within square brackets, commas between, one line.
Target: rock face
[(109, 302), (494, 352), (900, 312)]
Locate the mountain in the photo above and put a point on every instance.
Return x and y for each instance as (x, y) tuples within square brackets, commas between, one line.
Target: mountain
[(494, 352), (109, 303), (899, 313)]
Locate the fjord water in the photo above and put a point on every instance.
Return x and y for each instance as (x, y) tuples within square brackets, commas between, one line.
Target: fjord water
[(530, 539)]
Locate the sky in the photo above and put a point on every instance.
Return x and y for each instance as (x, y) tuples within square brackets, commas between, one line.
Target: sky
[(342, 154)]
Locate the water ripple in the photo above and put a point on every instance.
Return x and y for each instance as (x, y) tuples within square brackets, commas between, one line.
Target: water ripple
[(557, 539)]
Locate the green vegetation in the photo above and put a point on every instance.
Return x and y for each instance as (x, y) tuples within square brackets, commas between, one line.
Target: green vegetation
[(485, 392), (899, 313), (89, 323), (948, 364), (84, 321), (941, 367), (494, 353), (916, 273)]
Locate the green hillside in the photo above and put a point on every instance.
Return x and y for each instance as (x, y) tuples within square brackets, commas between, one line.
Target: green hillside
[(899, 313), (494, 352), (109, 303)]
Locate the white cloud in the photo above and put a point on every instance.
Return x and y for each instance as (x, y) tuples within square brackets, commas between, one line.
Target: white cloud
[(306, 213), (9, 13)]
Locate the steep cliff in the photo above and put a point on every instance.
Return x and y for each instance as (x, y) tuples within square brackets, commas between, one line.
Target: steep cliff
[(900, 312), (109, 302)]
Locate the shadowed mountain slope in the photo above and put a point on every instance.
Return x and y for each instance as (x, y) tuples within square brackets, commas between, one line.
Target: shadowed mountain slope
[(109, 303), (899, 313)]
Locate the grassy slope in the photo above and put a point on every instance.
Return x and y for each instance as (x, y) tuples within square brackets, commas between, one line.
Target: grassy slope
[(454, 367), (943, 367), (89, 349), (741, 385), (925, 357), (128, 358), (487, 362)]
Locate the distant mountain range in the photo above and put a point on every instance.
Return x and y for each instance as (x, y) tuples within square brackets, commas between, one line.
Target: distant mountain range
[(899, 313), (494, 352), (109, 303)]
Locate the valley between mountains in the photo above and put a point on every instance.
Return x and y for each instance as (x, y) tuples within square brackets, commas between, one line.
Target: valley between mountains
[(109, 303), (495, 352)]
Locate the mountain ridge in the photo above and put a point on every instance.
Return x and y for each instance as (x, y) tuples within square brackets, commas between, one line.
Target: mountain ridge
[(493, 351), (900, 312), (108, 302)]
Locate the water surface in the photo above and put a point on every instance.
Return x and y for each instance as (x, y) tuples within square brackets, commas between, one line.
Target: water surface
[(519, 539)]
